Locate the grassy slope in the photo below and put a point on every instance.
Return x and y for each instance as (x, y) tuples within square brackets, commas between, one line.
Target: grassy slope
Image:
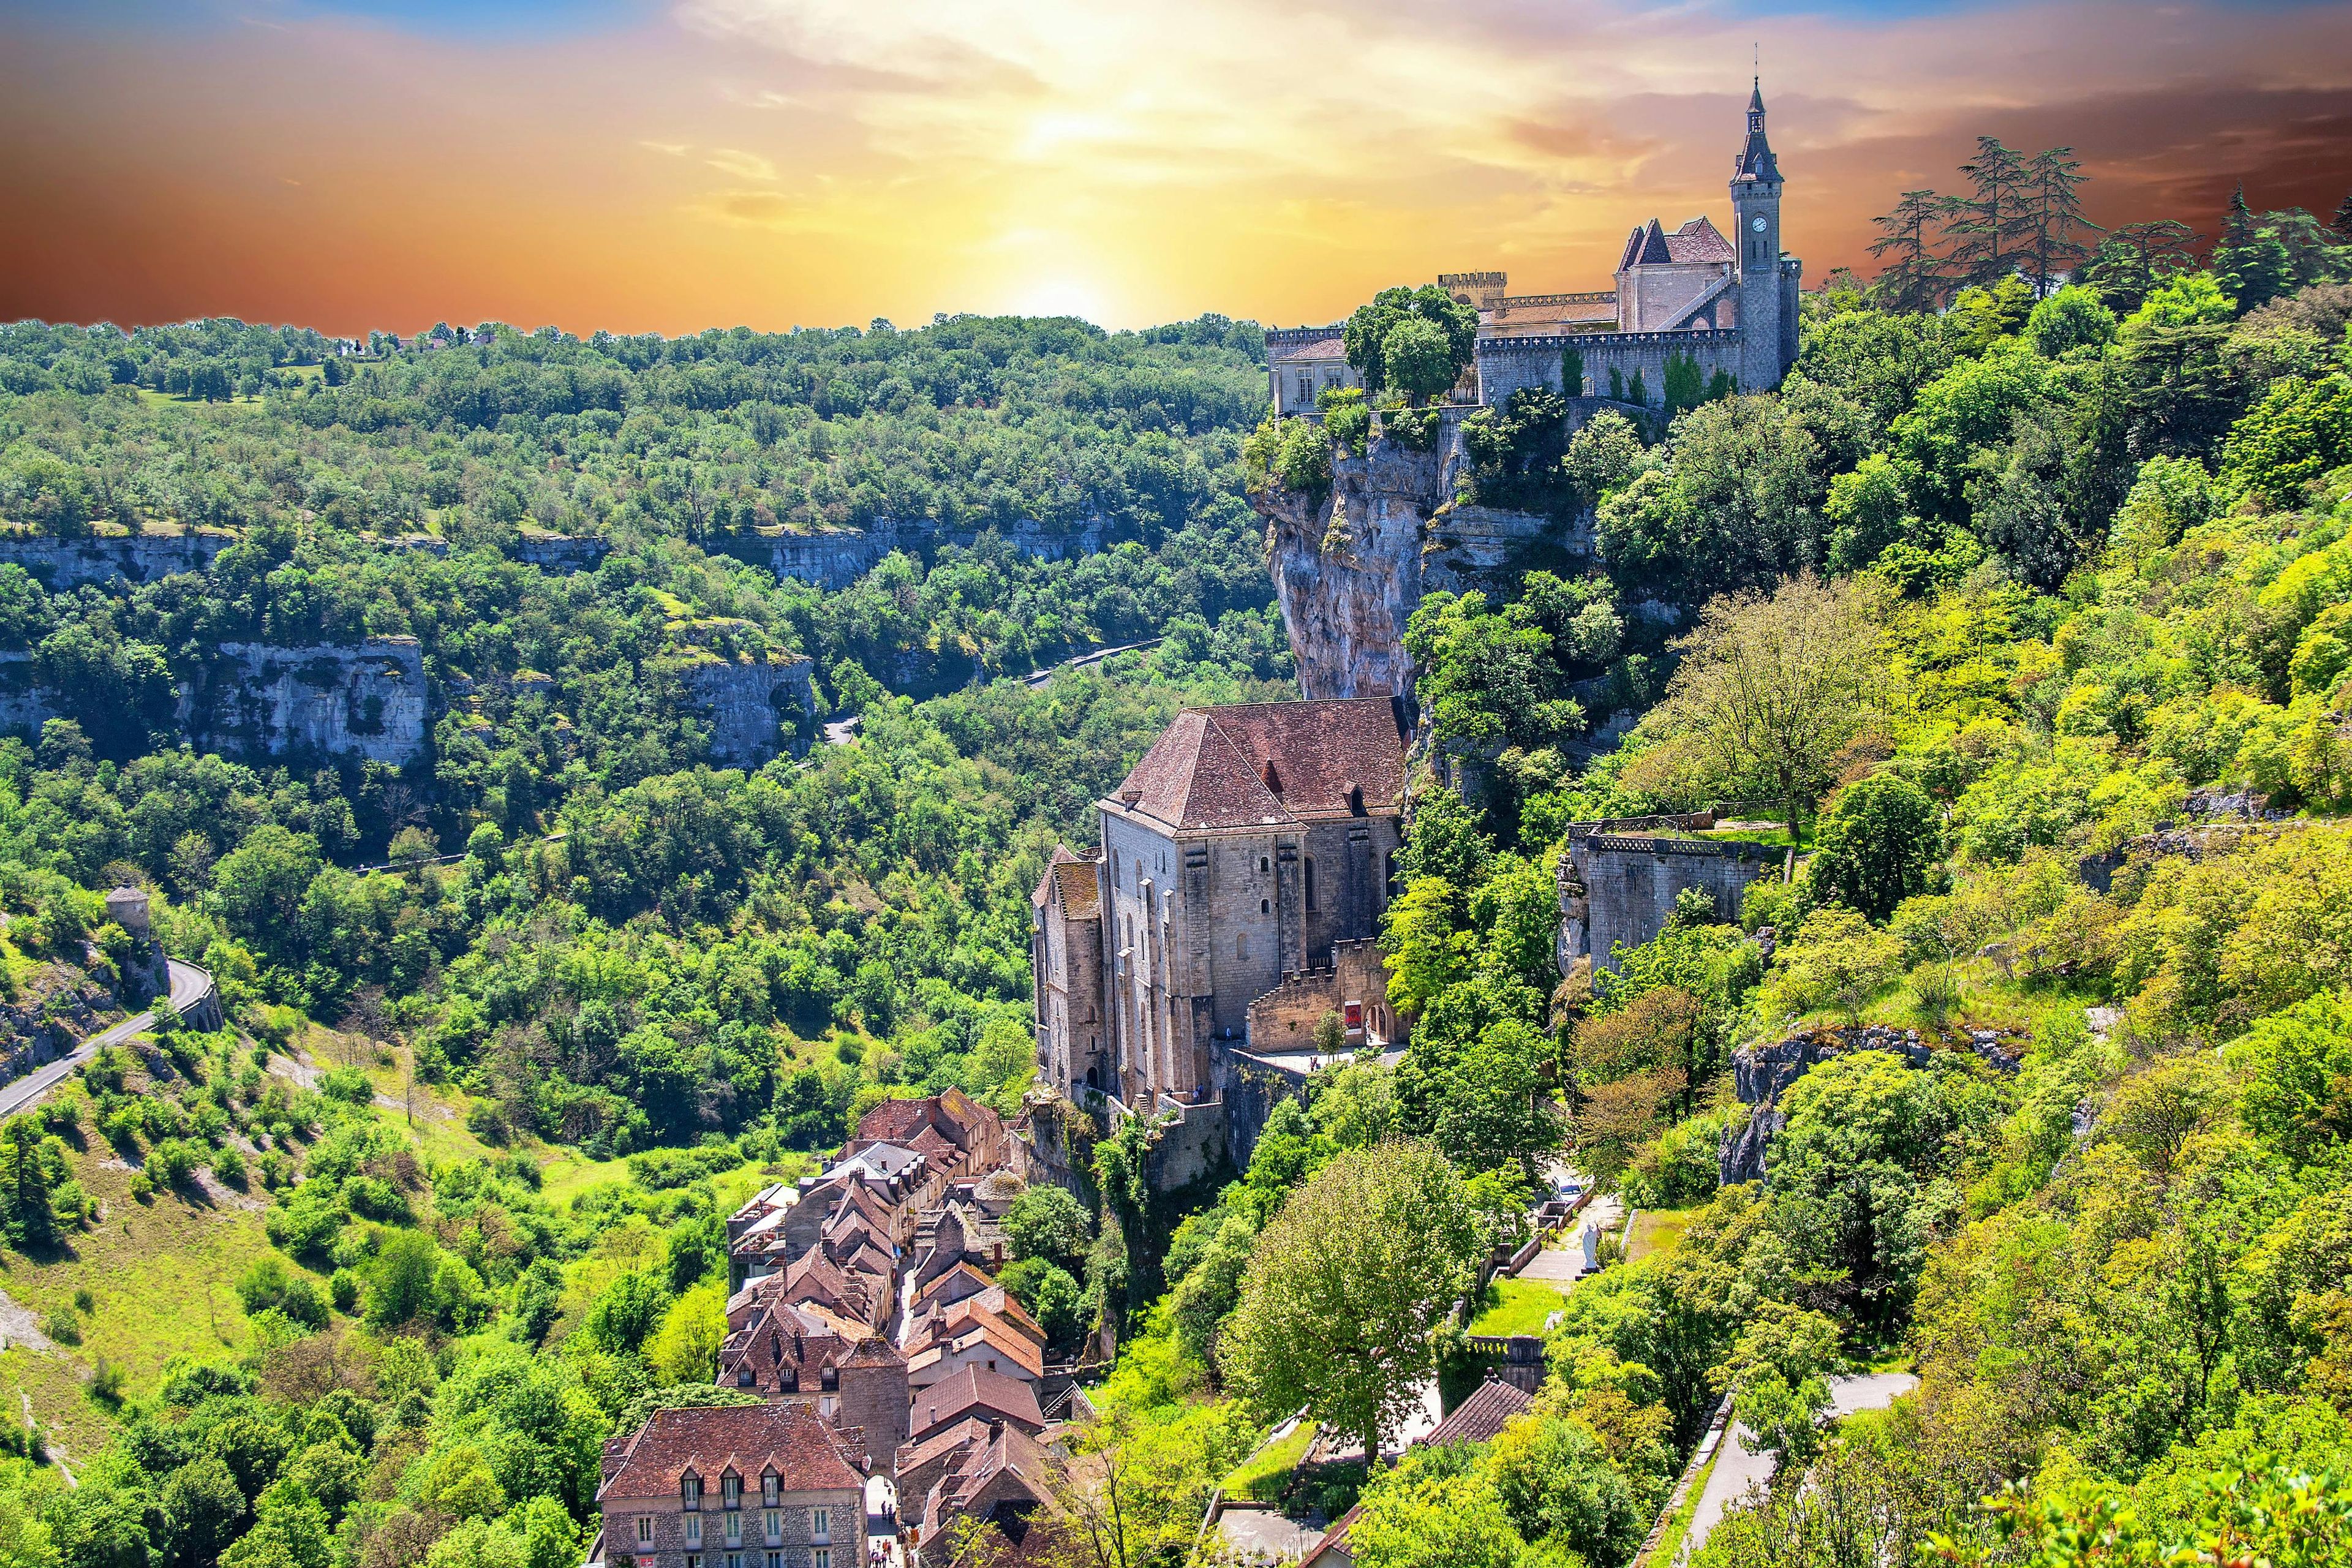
[(1517, 1307)]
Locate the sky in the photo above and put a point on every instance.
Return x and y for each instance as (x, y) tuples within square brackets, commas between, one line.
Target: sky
[(676, 164)]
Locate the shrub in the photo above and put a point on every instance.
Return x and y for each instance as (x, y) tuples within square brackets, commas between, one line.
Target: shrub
[(107, 1380), (62, 1326), (343, 1289), (229, 1164), (142, 1187), (348, 1085)]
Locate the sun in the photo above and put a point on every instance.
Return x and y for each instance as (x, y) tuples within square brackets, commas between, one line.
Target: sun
[(1064, 296)]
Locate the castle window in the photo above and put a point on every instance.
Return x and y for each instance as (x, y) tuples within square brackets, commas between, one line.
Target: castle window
[(1266, 906), (1310, 884), (1264, 865)]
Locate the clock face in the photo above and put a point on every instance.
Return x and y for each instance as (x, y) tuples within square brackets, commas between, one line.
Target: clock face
[(1758, 226)]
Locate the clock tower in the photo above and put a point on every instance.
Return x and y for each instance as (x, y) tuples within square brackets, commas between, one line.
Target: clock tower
[(1767, 322)]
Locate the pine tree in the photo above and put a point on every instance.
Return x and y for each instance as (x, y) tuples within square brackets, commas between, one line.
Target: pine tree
[(1990, 228), (2053, 215), (2342, 223), (2136, 258), (1914, 277)]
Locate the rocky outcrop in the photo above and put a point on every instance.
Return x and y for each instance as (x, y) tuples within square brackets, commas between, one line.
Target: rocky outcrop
[(748, 703), (257, 700), (1351, 565), (1762, 1073), (561, 552), (120, 558), (836, 558)]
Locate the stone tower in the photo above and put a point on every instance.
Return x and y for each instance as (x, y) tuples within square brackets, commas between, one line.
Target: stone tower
[(1755, 212)]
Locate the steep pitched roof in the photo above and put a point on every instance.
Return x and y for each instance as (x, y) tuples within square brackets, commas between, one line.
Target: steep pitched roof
[(1259, 762), (973, 1391), (1332, 1550), (807, 1454), (1074, 879), (1479, 1417), (1647, 247), (1699, 240)]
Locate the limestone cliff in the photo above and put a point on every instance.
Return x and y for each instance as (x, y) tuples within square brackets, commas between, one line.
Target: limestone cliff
[(60, 564), (1762, 1073), (748, 702), (257, 700), (836, 558), (1351, 565)]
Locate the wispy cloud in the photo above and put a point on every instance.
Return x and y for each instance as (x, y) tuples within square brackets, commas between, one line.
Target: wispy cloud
[(740, 165)]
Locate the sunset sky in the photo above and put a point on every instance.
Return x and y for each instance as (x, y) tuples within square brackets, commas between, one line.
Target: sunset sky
[(673, 165)]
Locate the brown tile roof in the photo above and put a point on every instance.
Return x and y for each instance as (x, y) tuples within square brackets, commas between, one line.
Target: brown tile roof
[(1479, 1417), (1333, 1548), (1321, 351), (1259, 763), (1081, 893), (962, 1272), (1698, 240), (985, 1335), (973, 1391), (807, 1454)]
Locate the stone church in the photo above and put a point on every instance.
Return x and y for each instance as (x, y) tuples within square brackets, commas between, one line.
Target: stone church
[(1244, 865), (1729, 303)]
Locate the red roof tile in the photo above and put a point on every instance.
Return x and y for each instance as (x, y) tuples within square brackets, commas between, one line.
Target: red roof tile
[(973, 1391), (807, 1454), (1479, 1417), (1259, 762)]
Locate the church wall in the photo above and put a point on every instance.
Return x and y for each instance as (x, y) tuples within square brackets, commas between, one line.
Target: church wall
[(1657, 296), (1621, 888)]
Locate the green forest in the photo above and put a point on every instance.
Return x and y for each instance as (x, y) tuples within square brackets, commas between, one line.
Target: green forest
[(2018, 614)]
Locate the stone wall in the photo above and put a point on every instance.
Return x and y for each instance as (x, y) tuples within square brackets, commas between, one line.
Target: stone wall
[(835, 559), (127, 558), (747, 703), (1282, 1022), (1191, 1147), (257, 700), (1506, 365), (1619, 889)]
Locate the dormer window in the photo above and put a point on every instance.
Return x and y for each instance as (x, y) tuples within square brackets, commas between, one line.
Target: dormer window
[(770, 1488), (790, 1380), (829, 1378), (744, 1376), (730, 1490), (690, 1492)]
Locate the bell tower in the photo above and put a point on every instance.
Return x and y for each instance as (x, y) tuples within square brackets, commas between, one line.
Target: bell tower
[(1766, 316)]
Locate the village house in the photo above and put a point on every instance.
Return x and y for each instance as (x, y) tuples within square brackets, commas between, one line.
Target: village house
[(760, 1486)]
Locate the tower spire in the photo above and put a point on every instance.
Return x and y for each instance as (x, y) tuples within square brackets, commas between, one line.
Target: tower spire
[(1756, 161)]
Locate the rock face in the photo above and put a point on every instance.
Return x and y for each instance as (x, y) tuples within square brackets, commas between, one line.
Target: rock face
[(128, 558), (747, 702), (1351, 566), (255, 699), (1762, 1073), (561, 552), (837, 559)]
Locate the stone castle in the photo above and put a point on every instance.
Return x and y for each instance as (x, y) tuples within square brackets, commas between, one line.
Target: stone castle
[(1727, 304), (1245, 863)]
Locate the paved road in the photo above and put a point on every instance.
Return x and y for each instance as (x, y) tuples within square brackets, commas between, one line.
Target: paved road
[(188, 984), (1565, 1263), (1737, 1469)]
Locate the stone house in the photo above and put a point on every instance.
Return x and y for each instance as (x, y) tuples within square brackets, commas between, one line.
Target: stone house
[(1248, 845), (761, 1485), (973, 1392), (793, 1352)]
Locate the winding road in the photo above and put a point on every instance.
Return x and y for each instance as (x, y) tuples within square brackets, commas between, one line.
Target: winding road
[(1737, 1469), (189, 985)]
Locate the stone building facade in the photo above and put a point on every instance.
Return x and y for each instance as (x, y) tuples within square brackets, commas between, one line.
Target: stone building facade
[(758, 1486), (1725, 303), (1619, 888), (1251, 846)]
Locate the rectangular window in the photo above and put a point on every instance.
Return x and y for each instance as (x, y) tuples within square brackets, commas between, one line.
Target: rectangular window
[(734, 1530), (644, 1530), (775, 1560), (824, 1557), (820, 1524), (730, 1489), (734, 1560), (775, 1523), (768, 1487), (694, 1529), (694, 1560)]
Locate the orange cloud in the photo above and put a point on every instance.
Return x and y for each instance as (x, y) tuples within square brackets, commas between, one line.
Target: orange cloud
[(779, 161)]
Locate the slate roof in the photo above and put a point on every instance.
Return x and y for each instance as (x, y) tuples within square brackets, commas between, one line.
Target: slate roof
[(1478, 1418), (973, 1391), (807, 1454), (1696, 241), (1253, 764)]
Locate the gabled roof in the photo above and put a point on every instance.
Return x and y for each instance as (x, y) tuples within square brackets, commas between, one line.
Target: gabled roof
[(964, 1274), (1074, 879), (1252, 764), (1332, 1549), (973, 1391), (1323, 350), (807, 1454), (1696, 241), (1478, 1418)]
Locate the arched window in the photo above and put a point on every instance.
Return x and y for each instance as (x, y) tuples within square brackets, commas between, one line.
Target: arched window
[(1310, 884), (1266, 906), (1264, 865)]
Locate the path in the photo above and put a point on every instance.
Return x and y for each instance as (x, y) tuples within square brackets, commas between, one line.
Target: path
[(1076, 660), (1737, 1469), (188, 986), (1563, 1263)]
